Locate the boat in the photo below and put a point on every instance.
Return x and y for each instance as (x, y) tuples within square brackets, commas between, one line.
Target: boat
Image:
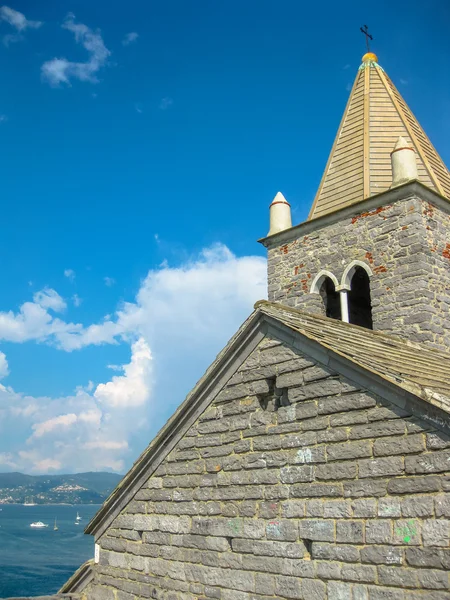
[(55, 526), (78, 517), (29, 501), (38, 525)]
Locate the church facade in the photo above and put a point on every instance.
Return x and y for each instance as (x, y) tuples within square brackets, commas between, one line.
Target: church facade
[(312, 459)]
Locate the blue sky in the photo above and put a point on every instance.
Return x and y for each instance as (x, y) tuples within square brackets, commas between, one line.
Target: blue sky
[(141, 147)]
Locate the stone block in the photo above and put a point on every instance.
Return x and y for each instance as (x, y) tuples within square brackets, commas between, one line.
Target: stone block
[(418, 506), (288, 587), (397, 576), (296, 474), (414, 485), (328, 570), (308, 455), (293, 508), (316, 490), (442, 506), (359, 573), (313, 589), (335, 552), (407, 532), (434, 558), (350, 532), (345, 403), (378, 531), (349, 450), (344, 470), (434, 462), (365, 487), (337, 509), (317, 530), (295, 412), (338, 590), (364, 508), (264, 584), (436, 532), (399, 445), (382, 555), (380, 467), (282, 530), (389, 507), (433, 580), (381, 429)]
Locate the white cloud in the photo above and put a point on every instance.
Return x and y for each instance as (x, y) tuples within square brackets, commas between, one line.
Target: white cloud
[(19, 22), (165, 103), (177, 323), (133, 387), (70, 274), (130, 38), (34, 322), (76, 300), (65, 421), (46, 465), (62, 70), (17, 19), (49, 299), (6, 459), (4, 368), (106, 445), (109, 281)]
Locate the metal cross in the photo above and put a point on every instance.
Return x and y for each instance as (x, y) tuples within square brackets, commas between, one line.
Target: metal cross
[(365, 31)]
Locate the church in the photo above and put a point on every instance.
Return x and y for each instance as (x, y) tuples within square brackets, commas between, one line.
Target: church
[(312, 459)]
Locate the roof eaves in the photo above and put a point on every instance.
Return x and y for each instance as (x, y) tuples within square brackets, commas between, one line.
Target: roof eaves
[(402, 192), (330, 356)]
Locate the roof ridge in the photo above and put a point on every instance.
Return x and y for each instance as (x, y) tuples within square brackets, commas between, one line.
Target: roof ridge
[(394, 340)]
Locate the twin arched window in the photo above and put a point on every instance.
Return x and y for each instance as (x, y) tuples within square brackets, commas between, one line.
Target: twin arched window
[(349, 301)]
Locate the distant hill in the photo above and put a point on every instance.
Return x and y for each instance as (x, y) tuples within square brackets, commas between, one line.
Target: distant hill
[(81, 488)]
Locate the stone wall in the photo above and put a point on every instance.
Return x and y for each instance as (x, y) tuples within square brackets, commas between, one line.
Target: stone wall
[(313, 489), (406, 245)]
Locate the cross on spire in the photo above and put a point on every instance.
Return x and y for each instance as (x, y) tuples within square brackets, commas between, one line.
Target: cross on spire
[(365, 31)]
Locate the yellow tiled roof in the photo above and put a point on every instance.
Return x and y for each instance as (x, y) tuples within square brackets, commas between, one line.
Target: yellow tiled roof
[(359, 165)]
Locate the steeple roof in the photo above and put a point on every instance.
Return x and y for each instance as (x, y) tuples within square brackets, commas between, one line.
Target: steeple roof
[(359, 165)]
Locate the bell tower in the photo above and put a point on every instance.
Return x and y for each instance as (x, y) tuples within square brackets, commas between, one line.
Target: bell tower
[(375, 249)]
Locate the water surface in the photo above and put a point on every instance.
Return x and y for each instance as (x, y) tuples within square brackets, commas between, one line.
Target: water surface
[(36, 562)]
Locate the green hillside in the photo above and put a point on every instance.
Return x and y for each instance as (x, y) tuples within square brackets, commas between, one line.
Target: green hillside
[(80, 488)]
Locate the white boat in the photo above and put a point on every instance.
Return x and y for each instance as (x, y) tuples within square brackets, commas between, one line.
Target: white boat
[(55, 527), (29, 501), (78, 517), (38, 525)]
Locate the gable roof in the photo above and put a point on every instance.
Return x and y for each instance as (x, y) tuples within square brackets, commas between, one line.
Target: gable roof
[(359, 165), (415, 368), (400, 370)]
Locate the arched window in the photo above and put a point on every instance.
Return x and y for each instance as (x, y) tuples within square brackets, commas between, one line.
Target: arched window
[(324, 284), (330, 298), (359, 304)]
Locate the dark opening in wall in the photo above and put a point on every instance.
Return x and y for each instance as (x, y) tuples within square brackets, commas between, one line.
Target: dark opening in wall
[(359, 304), (330, 299)]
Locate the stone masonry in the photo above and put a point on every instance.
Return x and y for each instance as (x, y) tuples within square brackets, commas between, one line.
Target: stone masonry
[(407, 247), (293, 484)]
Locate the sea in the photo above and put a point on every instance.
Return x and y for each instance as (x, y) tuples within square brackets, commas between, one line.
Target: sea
[(37, 562)]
